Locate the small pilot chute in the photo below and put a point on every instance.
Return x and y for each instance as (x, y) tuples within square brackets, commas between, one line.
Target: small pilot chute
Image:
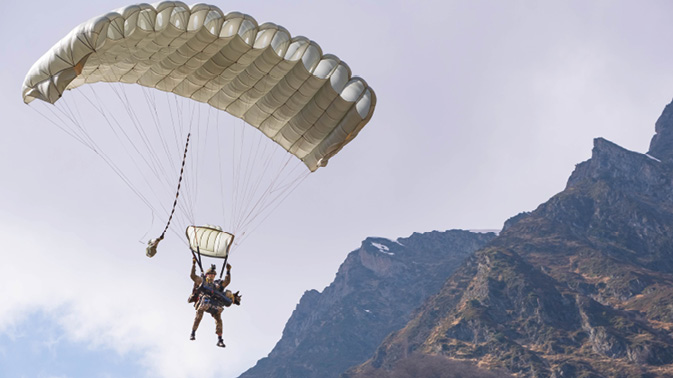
[(209, 241)]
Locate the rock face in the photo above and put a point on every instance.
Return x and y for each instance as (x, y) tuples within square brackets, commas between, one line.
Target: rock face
[(374, 293), (580, 287), (661, 146)]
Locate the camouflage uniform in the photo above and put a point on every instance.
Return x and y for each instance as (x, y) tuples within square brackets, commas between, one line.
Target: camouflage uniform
[(203, 303)]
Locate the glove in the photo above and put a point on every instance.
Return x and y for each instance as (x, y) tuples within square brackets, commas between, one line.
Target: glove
[(237, 298), (228, 267), (193, 261)]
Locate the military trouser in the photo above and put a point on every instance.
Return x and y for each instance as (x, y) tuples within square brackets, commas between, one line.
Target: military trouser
[(216, 312)]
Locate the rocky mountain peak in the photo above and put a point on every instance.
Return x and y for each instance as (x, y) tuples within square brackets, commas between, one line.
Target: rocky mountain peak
[(624, 171), (661, 146), (375, 292), (580, 287)]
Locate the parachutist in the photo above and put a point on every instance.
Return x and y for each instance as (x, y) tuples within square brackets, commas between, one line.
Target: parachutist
[(209, 295)]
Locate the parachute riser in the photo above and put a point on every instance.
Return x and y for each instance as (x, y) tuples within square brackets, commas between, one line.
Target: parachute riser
[(198, 259), (224, 264), (226, 257)]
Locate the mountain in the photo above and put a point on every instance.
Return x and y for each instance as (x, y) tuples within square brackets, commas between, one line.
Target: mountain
[(580, 287), (374, 293)]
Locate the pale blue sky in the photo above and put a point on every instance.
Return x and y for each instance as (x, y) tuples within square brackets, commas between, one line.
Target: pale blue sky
[(484, 108), (38, 348)]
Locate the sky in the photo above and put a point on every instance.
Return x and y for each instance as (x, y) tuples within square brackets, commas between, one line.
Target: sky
[(484, 108)]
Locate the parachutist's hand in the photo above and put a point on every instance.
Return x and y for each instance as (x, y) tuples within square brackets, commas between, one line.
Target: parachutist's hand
[(228, 267), (237, 298), (193, 261)]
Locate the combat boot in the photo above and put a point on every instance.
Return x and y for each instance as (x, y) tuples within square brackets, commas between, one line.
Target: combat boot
[(220, 342), (193, 335)]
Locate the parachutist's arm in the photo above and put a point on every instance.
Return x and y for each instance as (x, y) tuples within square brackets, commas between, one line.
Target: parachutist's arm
[(193, 276), (227, 279)]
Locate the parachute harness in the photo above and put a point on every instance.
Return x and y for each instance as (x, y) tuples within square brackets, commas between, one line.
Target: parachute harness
[(152, 244)]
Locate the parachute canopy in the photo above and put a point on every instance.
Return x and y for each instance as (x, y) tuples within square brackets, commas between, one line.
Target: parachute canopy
[(210, 240), (285, 86)]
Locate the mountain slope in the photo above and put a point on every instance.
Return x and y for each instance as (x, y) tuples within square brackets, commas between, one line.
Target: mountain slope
[(580, 287), (374, 292)]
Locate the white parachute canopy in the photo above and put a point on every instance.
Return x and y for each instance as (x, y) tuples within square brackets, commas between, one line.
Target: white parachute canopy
[(302, 99), (209, 240), (157, 75)]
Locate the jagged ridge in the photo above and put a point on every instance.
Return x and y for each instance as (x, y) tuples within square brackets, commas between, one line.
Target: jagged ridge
[(374, 293), (580, 287)]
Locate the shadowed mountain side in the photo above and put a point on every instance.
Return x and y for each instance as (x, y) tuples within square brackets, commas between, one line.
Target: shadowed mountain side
[(434, 366), (580, 287), (374, 293)]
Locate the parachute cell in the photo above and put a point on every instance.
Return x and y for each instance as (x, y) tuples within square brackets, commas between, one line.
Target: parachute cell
[(304, 100)]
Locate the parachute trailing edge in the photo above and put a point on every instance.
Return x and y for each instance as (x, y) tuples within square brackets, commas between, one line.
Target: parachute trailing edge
[(304, 100), (209, 240)]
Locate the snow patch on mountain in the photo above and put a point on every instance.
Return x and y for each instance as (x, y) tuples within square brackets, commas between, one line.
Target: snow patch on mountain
[(383, 248)]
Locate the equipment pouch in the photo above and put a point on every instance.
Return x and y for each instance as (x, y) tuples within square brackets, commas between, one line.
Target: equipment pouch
[(193, 297)]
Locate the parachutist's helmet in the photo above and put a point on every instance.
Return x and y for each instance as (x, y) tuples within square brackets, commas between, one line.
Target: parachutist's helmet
[(212, 270)]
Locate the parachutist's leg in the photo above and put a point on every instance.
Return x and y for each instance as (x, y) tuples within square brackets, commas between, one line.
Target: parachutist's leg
[(218, 327), (218, 322), (197, 321)]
